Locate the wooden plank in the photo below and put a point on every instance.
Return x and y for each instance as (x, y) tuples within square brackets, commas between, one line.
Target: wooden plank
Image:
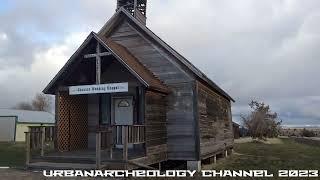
[(43, 136), (180, 128), (130, 40), (156, 149), (155, 121), (125, 144), (152, 158), (55, 143), (141, 165), (196, 121), (139, 16), (98, 150), (119, 37), (97, 55), (182, 155), (27, 148), (141, 48)]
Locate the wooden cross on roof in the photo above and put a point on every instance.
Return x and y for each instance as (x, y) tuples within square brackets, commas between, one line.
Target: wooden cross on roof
[(97, 57)]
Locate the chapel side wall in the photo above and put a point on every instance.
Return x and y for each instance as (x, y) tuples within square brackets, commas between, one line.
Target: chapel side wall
[(181, 130), (182, 136), (215, 121), (156, 128)]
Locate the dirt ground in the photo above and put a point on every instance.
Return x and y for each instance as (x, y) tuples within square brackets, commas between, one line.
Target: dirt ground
[(20, 174)]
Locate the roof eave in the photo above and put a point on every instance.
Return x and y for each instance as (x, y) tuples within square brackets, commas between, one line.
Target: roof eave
[(48, 88)]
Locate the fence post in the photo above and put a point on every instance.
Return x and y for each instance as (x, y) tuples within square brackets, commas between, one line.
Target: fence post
[(27, 148), (43, 136), (98, 150)]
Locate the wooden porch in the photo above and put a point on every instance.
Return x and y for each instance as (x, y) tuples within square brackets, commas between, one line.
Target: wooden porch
[(117, 147)]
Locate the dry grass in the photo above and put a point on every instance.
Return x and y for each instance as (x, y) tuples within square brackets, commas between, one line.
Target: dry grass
[(250, 140), (274, 155)]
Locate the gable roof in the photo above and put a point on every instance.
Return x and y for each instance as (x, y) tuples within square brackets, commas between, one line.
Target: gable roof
[(153, 82), (201, 76), (123, 56), (25, 116)]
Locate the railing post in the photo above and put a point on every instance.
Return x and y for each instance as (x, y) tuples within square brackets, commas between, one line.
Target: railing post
[(98, 150), (111, 143), (27, 148), (43, 136), (111, 153), (138, 134), (125, 145)]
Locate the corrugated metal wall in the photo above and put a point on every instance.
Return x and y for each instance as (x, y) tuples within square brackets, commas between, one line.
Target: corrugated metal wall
[(7, 128)]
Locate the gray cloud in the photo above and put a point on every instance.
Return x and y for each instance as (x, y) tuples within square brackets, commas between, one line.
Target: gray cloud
[(265, 50)]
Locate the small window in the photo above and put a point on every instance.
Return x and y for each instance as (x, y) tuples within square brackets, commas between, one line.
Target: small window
[(124, 103)]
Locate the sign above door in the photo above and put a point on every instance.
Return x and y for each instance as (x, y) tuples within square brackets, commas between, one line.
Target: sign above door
[(99, 88)]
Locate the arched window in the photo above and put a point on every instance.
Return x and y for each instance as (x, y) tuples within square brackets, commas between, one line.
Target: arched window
[(123, 103)]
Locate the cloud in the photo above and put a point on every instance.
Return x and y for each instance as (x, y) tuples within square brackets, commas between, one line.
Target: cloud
[(265, 50), (21, 83)]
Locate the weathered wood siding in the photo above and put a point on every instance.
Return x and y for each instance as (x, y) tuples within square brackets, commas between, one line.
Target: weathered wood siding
[(156, 127), (93, 119), (149, 54), (180, 114), (181, 123), (215, 122)]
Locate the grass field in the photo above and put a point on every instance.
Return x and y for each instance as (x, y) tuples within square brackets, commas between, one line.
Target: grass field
[(274, 156), (12, 155)]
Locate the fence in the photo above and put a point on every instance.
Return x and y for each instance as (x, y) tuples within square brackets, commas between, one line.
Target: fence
[(36, 138)]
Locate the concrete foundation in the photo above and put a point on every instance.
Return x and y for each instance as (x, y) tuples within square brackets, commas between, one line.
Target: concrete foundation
[(194, 165)]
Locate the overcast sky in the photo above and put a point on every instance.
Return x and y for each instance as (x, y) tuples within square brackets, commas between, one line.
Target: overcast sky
[(267, 50)]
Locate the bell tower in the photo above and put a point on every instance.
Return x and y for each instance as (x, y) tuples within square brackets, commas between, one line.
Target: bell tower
[(137, 8)]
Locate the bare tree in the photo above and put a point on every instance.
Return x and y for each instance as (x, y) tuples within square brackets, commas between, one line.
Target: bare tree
[(23, 106), (41, 102), (261, 122)]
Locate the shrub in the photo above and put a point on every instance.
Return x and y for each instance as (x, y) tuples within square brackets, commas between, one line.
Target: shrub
[(261, 122), (307, 133)]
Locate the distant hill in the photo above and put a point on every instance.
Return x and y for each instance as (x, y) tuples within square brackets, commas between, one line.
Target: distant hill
[(301, 126)]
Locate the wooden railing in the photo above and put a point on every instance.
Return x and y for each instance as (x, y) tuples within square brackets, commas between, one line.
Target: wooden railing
[(118, 135), (48, 132), (106, 138), (136, 134), (36, 138)]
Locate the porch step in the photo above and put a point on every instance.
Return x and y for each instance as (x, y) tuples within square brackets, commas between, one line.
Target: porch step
[(67, 159), (79, 166), (60, 166)]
